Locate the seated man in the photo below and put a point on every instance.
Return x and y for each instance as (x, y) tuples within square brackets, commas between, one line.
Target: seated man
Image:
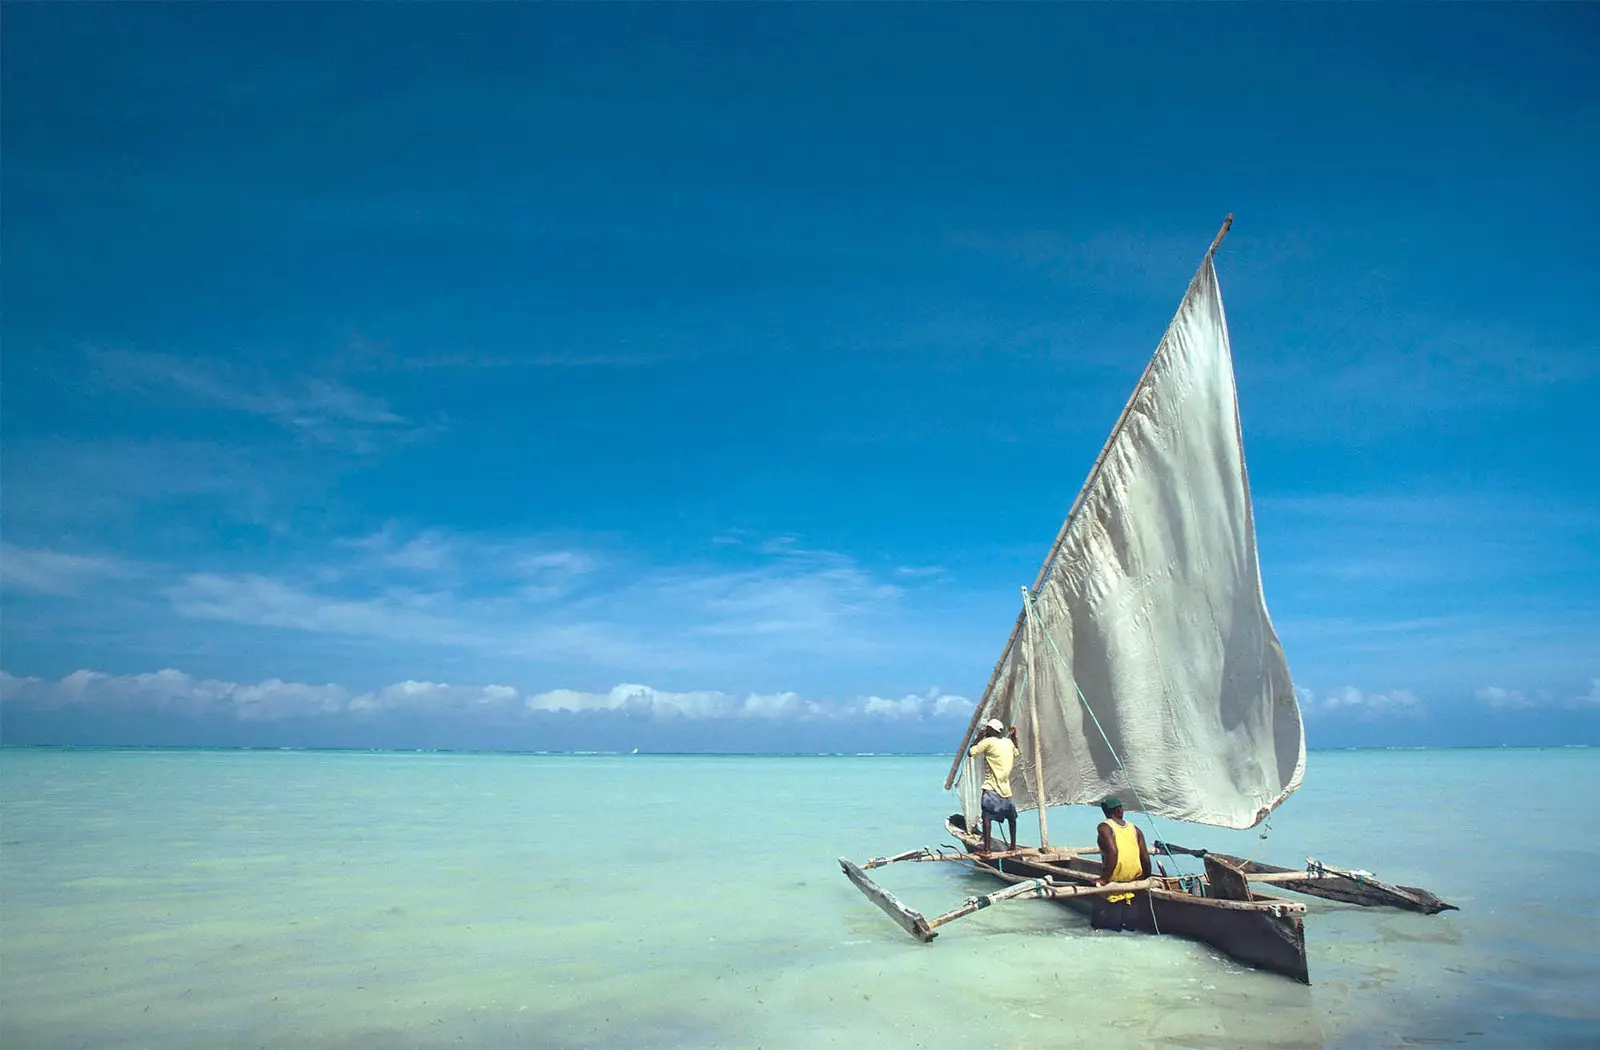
[(999, 755), (1123, 858)]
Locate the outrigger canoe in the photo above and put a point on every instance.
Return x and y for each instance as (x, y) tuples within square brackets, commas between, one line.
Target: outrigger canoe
[(1143, 664)]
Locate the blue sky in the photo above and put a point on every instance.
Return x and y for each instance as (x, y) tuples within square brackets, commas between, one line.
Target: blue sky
[(711, 376)]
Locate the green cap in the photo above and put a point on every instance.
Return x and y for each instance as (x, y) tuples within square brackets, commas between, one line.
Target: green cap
[(1110, 802)]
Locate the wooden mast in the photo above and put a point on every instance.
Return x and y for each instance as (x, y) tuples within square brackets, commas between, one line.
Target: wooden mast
[(1033, 724), (1061, 536)]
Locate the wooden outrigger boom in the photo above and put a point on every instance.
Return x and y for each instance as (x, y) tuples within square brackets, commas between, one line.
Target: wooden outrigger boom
[(1321, 880), (922, 929)]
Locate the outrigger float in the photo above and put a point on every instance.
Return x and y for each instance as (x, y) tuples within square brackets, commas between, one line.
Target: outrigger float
[(1143, 664)]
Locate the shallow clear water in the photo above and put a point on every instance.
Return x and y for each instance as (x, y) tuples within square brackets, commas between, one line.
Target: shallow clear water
[(211, 899)]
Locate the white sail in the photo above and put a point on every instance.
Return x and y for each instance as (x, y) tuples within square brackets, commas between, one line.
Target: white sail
[(1151, 613)]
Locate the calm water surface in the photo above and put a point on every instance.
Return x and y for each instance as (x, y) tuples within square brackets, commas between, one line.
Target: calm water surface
[(345, 900)]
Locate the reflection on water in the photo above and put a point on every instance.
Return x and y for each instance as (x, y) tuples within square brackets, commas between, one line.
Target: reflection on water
[(339, 900)]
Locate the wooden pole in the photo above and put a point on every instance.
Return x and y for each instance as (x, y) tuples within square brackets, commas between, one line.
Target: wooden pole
[(910, 854), (1227, 224), (1054, 853), (1279, 876), (1061, 536), (1035, 888), (1033, 722)]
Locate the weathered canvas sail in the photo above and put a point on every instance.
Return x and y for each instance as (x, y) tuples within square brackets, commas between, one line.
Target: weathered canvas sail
[(1152, 607)]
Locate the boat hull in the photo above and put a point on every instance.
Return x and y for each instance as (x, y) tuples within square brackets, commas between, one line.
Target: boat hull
[(1261, 938)]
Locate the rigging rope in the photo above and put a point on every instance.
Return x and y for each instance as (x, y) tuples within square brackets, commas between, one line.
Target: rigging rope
[(1066, 672)]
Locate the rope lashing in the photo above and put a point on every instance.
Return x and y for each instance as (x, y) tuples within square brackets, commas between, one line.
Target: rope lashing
[(1266, 829), (1321, 871)]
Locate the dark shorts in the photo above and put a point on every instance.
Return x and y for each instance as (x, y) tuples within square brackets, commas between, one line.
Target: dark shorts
[(997, 808), (1112, 915)]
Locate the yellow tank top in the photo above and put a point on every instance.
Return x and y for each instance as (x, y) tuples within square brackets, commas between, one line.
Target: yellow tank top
[(1128, 866)]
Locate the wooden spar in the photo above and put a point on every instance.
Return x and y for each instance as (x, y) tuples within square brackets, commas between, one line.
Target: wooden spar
[(1066, 526), (1271, 905), (1334, 884), (1278, 876), (910, 854), (1033, 888), (1227, 224), (1033, 724), (1053, 853), (1364, 879), (910, 921)]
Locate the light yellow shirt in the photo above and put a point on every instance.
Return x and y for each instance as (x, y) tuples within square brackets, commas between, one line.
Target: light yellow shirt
[(999, 755)]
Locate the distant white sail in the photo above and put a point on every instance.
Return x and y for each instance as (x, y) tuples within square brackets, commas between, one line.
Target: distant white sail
[(1154, 604)]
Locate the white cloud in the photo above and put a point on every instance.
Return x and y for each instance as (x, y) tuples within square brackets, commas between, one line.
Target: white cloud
[(778, 705), (436, 698), (905, 707), (175, 692), (932, 704), (13, 688), (946, 706), (1349, 701), (645, 701), (40, 571), (275, 698), (1505, 699), (1519, 700), (1592, 697)]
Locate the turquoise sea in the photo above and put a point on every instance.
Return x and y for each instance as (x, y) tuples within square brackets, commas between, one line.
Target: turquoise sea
[(350, 900)]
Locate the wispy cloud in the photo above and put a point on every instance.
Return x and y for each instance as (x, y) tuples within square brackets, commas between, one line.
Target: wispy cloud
[(526, 598), (54, 485), (316, 409), (398, 615), (1432, 587), (41, 571)]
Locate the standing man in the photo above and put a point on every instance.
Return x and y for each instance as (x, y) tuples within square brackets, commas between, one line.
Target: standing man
[(999, 755), (1123, 858)]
